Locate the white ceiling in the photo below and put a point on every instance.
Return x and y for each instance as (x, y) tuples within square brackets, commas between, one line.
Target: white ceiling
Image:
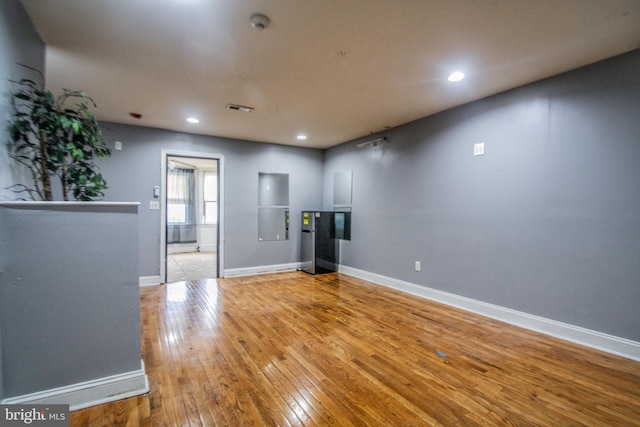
[(332, 69)]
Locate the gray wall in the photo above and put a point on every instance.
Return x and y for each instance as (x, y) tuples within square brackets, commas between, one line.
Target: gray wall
[(69, 294), (19, 43), (546, 222), (133, 172)]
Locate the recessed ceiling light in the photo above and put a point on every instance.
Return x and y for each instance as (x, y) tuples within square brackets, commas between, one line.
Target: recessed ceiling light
[(456, 76), (193, 120), (301, 136)]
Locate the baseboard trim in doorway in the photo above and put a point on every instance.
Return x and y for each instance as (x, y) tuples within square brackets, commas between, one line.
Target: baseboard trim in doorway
[(594, 339), (262, 269), (89, 393), (150, 280)]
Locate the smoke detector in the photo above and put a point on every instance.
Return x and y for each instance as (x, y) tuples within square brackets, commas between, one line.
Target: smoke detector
[(259, 21)]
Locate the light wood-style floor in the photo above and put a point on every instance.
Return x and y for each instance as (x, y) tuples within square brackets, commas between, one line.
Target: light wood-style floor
[(330, 350)]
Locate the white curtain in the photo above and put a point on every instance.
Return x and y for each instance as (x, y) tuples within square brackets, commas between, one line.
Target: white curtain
[(181, 206)]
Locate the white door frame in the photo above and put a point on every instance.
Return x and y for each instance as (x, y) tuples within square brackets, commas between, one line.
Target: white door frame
[(163, 207)]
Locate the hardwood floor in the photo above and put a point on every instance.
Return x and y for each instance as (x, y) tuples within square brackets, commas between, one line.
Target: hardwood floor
[(293, 349)]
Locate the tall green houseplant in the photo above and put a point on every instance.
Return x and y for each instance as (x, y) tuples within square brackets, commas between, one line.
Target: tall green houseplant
[(53, 139)]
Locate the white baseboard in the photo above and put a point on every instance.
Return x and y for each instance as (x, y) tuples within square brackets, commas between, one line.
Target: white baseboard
[(594, 339), (149, 280), (262, 269), (232, 272), (89, 393)]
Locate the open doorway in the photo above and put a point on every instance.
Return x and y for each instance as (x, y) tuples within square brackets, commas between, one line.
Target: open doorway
[(192, 216)]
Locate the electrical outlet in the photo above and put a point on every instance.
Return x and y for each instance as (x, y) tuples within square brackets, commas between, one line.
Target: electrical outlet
[(153, 205), (478, 149), (417, 265)]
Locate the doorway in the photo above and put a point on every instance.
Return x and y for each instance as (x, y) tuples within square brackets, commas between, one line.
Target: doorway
[(191, 216)]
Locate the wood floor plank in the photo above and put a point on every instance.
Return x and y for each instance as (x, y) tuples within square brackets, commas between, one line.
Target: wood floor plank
[(292, 349)]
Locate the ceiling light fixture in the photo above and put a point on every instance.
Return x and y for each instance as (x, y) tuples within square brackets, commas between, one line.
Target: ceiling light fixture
[(193, 120), (259, 21), (456, 76), (373, 142), (301, 136)]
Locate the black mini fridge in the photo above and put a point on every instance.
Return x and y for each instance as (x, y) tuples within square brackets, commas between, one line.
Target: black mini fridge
[(319, 247)]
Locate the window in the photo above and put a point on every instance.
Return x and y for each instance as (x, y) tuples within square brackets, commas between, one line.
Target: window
[(176, 213), (210, 198), (180, 196)]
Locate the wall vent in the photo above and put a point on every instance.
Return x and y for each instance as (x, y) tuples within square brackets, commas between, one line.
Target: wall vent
[(236, 107)]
